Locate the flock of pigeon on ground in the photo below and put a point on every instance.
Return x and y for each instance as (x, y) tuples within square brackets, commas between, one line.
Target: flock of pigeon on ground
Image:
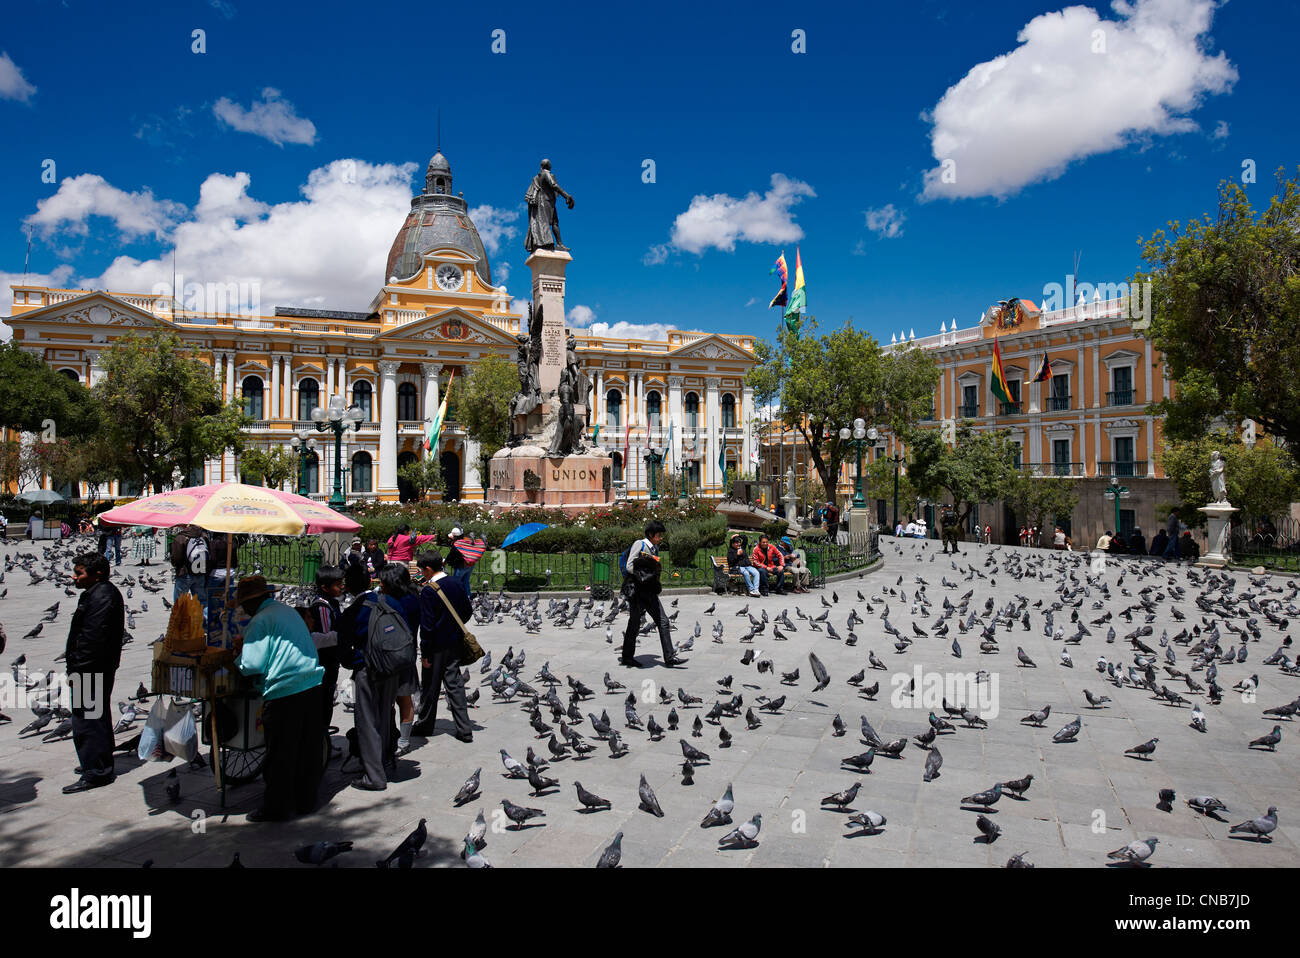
[(1178, 671)]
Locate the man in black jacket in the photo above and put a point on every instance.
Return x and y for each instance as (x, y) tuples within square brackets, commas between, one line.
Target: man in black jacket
[(441, 641), (641, 586), (92, 655)]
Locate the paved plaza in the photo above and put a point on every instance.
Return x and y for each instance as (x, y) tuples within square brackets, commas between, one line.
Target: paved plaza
[(1087, 798)]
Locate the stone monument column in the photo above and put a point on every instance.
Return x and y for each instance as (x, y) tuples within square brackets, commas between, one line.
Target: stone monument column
[(388, 427), (275, 388), (548, 268)]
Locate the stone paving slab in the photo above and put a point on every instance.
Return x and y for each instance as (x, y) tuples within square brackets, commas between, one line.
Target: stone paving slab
[(781, 769)]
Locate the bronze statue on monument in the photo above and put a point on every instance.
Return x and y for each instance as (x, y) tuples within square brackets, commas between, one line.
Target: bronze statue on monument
[(543, 221)]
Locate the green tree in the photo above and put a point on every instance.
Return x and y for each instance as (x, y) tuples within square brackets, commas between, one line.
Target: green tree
[(272, 467), (823, 383), (1036, 500), (484, 407), (1225, 307), (977, 468), (31, 392), (20, 464), (878, 483), (167, 415), (1262, 480), (424, 475)]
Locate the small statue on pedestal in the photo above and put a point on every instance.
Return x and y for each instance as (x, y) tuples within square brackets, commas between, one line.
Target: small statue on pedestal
[(1218, 483)]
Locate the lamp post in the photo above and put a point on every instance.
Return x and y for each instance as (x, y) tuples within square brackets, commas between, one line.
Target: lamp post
[(653, 457), (1116, 491), (305, 444), (338, 418), (858, 441)]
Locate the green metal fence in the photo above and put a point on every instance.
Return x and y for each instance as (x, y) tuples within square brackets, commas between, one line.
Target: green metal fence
[(1274, 544)]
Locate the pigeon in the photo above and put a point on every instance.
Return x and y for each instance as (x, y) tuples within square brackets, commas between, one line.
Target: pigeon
[(819, 672), (1069, 732), (472, 857), (612, 854), (985, 799), (988, 828), (1270, 740), (1136, 852), (933, 762), (720, 813), (1019, 861), (173, 787), (693, 754), (1198, 719), (590, 800), (870, 822), (649, 802), (861, 763), (1018, 786), (1145, 750), (408, 849), (321, 852), (843, 799), (1025, 660), (477, 835), (1206, 804), (1038, 718), (1260, 827), (746, 836), (1095, 701), (519, 814), (513, 768), (539, 782)]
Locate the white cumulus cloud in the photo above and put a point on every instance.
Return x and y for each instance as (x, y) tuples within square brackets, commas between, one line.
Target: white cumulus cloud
[(273, 118), (886, 222), (581, 316), (78, 198), (493, 225), (1076, 86), (13, 85), (325, 250), (622, 330), (720, 221), (1220, 131)]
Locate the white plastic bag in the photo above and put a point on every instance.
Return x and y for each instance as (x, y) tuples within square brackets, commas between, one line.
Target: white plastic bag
[(151, 736), (181, 735)]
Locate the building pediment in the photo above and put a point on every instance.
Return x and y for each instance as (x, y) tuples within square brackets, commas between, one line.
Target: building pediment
[(711, 347), (453, 326), (94, 310)]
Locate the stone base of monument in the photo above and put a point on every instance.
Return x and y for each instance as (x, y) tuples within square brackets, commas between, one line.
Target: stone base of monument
[(1218, 517), (526, 476)]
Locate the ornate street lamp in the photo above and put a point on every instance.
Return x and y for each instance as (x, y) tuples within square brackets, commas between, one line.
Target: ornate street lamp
[(859, 440), (306, 444), (653, 457), (338, 418)]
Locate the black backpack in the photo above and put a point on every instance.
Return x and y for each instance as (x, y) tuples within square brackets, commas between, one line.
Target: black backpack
[(390, 646)]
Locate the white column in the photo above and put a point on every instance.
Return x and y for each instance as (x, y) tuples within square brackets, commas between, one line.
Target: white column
[(96, 369), (216, 369), (431, 400), (275, 389), (287, 390), (388, 427), (675, 415), (230, 377), (989, 408), (596, 414), (329, 380), (713, 410), (746, 420), (343, 387), (472, 478)]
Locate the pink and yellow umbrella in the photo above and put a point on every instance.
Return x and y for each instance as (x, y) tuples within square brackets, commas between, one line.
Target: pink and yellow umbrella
[(233, 507)]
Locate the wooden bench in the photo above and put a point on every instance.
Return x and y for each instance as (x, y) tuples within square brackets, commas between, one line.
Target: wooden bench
[(725, 579)]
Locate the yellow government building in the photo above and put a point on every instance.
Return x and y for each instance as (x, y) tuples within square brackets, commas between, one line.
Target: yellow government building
[(438, 313)]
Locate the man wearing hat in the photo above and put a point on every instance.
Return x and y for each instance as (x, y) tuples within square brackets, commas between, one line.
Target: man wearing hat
[(795, 565), (276, 648)]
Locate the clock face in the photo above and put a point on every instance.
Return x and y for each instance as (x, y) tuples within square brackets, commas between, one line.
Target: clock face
[(449, 277)]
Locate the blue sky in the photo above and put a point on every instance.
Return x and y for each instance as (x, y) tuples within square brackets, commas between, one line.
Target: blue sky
[(286, 153)]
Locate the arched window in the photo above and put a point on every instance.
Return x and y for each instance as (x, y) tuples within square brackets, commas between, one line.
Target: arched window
[(361, 397), (728, 411), (252, 391), (71, 374), (313, 473), (407, 403), (614, 410), (653, 405), (308, 398), (616, 473), (361, 471), (691, 410)]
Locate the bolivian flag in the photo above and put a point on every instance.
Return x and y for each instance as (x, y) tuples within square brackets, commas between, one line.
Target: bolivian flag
[(435, 427), (999, 384), (799, 298), (1044, 371), (783, 271)]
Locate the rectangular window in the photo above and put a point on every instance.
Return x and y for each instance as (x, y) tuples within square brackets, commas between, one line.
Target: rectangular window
[(1019, 455), (1124, 449), (1014, 386), (1127, 520), (969, 396)]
